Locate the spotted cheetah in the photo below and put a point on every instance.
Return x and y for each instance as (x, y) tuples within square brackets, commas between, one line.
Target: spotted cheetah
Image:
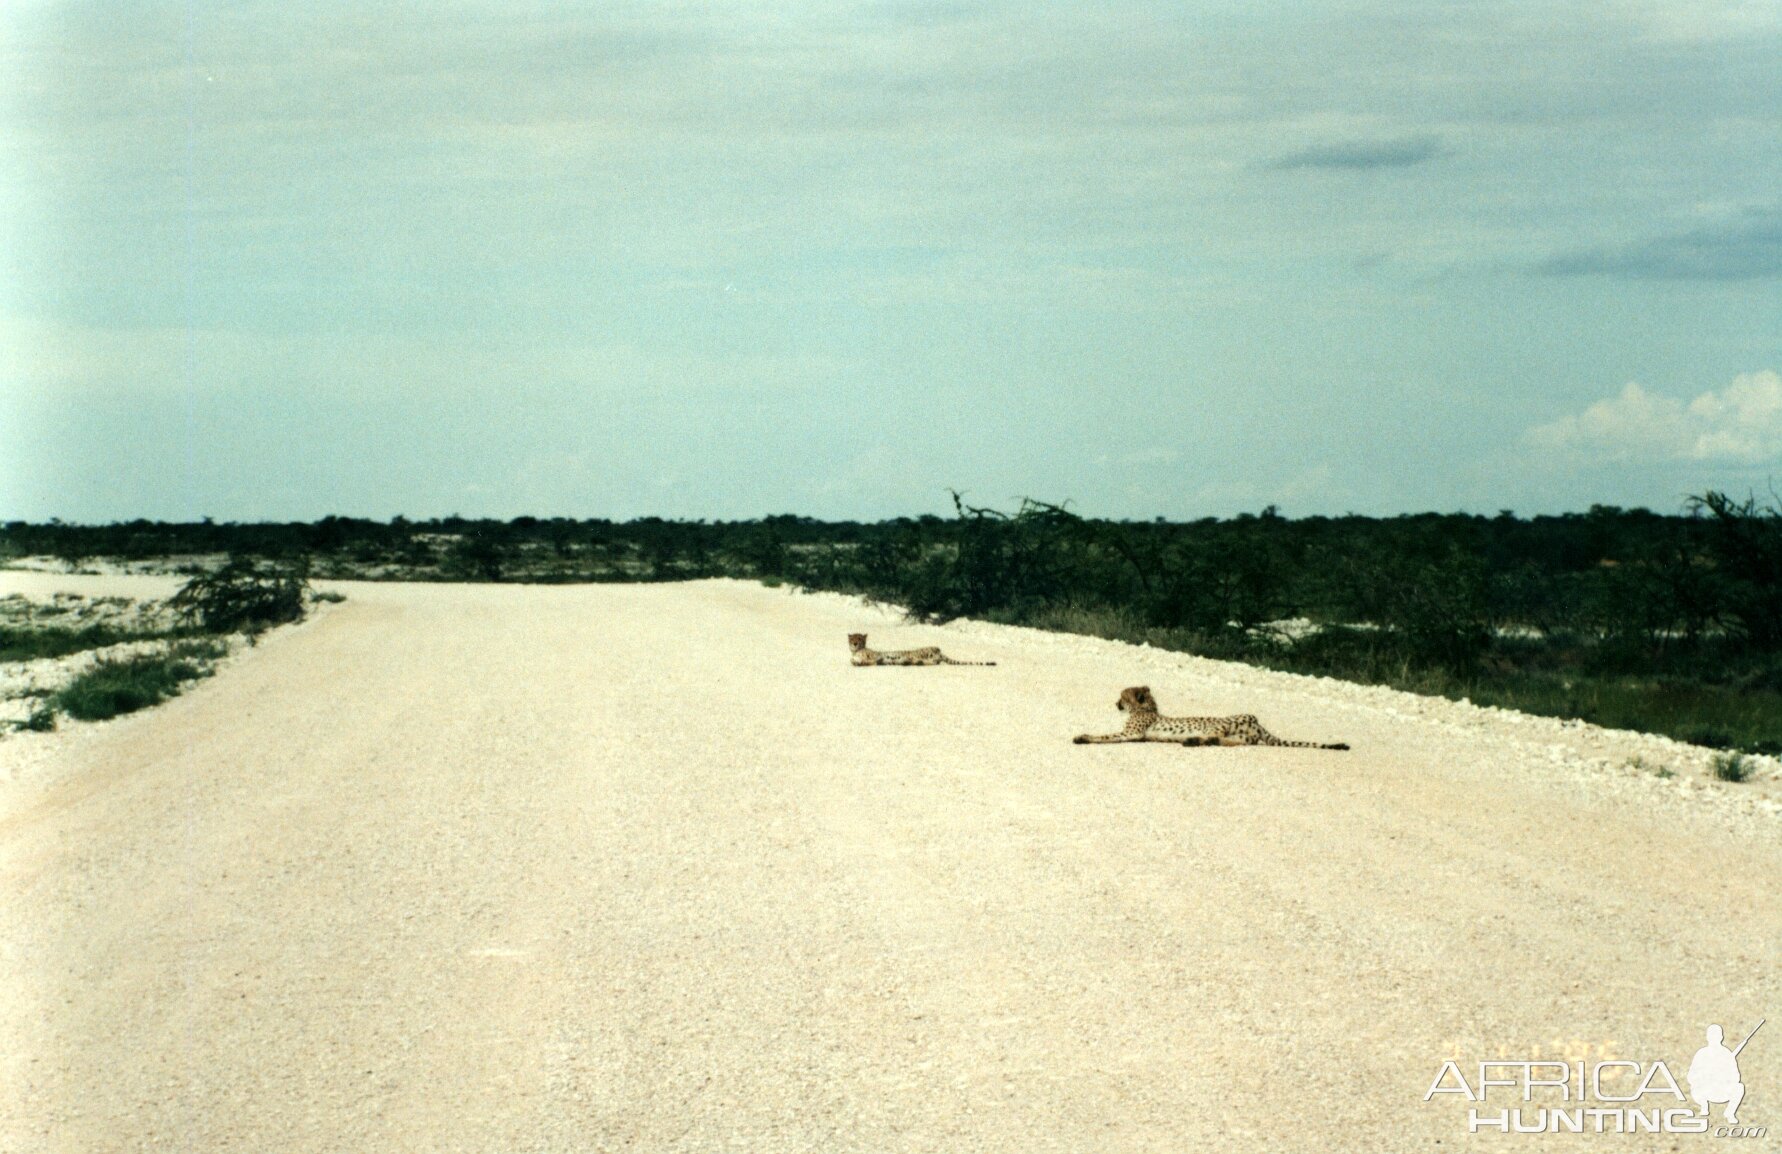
[(927, 655), (1144, 723)]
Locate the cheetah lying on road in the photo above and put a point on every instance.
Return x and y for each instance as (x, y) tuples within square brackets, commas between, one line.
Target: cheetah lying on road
[(1144, 723), (927, 655)]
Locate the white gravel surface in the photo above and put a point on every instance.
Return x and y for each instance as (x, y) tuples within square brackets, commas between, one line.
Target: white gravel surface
[(653, 868)]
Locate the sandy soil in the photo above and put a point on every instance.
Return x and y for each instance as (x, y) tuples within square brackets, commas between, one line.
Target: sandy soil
[(652, 868)]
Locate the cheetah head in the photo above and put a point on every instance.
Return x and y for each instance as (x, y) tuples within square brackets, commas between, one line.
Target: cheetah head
[(856, 641), (1137, 699)]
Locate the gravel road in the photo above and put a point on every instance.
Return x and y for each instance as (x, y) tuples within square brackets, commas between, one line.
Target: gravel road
[(652, 868)]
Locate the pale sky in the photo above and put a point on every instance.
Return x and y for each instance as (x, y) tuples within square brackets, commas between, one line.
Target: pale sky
[(268, 260)]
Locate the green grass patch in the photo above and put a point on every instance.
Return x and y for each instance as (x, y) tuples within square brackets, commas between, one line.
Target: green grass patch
[(1663, 772), (42, 719), (1718, 716), (21, 643), (124, 685), (1732, 767)]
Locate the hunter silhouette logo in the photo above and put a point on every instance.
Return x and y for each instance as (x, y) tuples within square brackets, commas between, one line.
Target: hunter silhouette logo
[(1611, 1096), (1714, 1075)]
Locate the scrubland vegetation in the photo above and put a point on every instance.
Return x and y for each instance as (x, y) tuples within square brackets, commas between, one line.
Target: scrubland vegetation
[(143, 654), (1628, 618)]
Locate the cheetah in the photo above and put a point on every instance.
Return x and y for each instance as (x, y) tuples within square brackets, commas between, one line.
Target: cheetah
[(927, 655), (1144, 723)]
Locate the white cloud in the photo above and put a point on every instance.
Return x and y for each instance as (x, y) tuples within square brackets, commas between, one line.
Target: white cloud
[(1741, 423), (1744, 422)]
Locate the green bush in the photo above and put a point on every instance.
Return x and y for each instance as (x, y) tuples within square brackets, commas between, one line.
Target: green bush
[(1732, 767), (1013, 563), (244, 595), (479, 556), (1745, 543), (124, 685), (42, 719)]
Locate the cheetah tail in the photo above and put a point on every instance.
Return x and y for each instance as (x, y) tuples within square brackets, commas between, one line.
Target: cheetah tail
[(950, 661), (1314, 744)]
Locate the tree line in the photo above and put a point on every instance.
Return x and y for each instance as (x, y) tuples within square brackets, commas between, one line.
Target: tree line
[(1609, 592)]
